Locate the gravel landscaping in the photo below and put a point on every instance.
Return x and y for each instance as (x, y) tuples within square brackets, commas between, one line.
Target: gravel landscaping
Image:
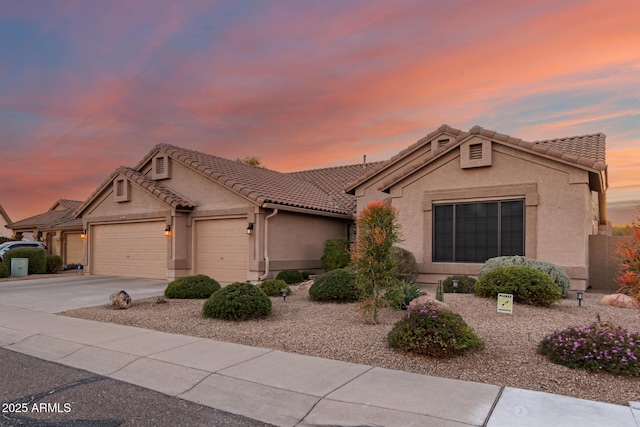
[(337, 331)]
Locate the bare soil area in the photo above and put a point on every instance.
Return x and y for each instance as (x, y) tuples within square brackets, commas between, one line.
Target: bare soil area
[(337, 331)]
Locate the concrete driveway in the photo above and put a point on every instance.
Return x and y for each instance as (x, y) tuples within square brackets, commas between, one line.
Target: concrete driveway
[(69, 291)]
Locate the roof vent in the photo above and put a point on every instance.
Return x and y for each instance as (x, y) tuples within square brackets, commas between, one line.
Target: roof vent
[(160, 167)]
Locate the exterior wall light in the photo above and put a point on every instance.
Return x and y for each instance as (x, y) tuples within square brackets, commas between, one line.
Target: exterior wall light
[(250, 228), (83, 235), (580, 295), (167, 231)]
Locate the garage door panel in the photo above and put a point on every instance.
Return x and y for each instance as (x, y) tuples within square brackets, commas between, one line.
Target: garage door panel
[(221, 249), (130, 249)]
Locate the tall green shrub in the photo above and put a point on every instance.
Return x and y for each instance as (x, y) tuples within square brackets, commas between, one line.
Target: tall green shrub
[(336, 254), (375, 266), (406, 265), (54, 263), (555, 272), (528, 285), (37, 259)]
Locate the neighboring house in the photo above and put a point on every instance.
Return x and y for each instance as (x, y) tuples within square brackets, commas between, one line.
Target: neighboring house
[(180, 212), (464, 197), (4, 220), (57, 228)]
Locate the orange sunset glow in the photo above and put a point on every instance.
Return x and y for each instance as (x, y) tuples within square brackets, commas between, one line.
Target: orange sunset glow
[(86, 87)]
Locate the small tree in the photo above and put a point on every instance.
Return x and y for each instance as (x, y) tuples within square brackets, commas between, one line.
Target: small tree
[(629, 251), (336, 254), (378, 231)]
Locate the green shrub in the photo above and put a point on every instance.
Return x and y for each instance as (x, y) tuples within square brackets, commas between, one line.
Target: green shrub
[(37, 261), (290, 276), (335, 286), (401, 295), (466, 284), (528, 285), (602, 346), (431, 332), (4, 271), (238, 301), (273, 287), (336, 254), (54, 263), (192, 287), (406, 265), (556, 273)]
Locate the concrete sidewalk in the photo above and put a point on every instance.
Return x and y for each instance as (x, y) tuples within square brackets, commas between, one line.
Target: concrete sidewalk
[(289, 389)]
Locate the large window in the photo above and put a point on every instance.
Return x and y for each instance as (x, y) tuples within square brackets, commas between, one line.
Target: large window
[(475, 232)]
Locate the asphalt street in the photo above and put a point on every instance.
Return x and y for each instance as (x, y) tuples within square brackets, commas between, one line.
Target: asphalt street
[(35, 392)]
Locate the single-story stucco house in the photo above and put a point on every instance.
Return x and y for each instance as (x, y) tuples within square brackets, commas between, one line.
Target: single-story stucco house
[(464, 197), (181, 212), (57, 228)]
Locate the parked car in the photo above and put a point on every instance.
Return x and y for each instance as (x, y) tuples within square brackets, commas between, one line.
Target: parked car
[(20, 244)]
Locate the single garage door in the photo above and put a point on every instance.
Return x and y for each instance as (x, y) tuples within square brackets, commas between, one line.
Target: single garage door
[(75, 248), (136, 249), (221, 249)]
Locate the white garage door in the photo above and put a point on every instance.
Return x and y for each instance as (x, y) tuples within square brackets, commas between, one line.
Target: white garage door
[(221, 249), (131, 250), (75, 248)]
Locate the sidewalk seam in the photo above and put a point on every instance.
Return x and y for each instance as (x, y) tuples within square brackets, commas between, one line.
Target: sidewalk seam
[(493, 407)]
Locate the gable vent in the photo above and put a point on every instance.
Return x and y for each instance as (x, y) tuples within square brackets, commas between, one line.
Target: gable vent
[(475, 152), (119, 188), (160, 167), (442, 142)]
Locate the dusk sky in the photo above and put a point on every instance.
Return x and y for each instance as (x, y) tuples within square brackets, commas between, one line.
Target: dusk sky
[(87, 86)]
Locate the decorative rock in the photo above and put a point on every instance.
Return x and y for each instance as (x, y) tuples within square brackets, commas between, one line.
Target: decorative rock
[(120, 300), (423, 300), (305, 285), (618, 300)]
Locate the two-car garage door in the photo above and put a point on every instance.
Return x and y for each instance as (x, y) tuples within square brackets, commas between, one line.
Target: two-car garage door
[(137, 249)]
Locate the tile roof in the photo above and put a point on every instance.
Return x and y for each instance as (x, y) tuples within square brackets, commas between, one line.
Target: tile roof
[(157, 189), (5, 215), (53, 218), (319, 190), (586, 151)]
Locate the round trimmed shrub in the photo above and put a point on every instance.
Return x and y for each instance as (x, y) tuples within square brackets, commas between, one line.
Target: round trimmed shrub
[(54, 263), (406, 266), (290, 276), (334, 286), (556, 273), (528, 285), (238, 301), (272, 287), (431, 332), (192, 287), (466, 284)]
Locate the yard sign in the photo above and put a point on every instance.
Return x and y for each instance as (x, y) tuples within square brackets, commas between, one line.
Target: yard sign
[(505, 303)]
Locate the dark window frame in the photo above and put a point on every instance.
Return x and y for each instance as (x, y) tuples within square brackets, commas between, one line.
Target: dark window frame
[(472, 232)]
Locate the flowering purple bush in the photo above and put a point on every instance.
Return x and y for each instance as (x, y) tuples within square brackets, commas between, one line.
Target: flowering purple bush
[(437, 333), (602, 346)]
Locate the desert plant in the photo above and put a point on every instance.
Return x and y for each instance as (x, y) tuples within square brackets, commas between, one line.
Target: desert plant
[(401, 295), (466, 284), (555, 272), (290, 276), (335, 286), (528, 285), (238, 301), (629, 252), (37, 262), (378, 231), (430, 332), (272, 287), (336, 254), (602, 346), (406, 265), (192, 287), (54, 263)]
